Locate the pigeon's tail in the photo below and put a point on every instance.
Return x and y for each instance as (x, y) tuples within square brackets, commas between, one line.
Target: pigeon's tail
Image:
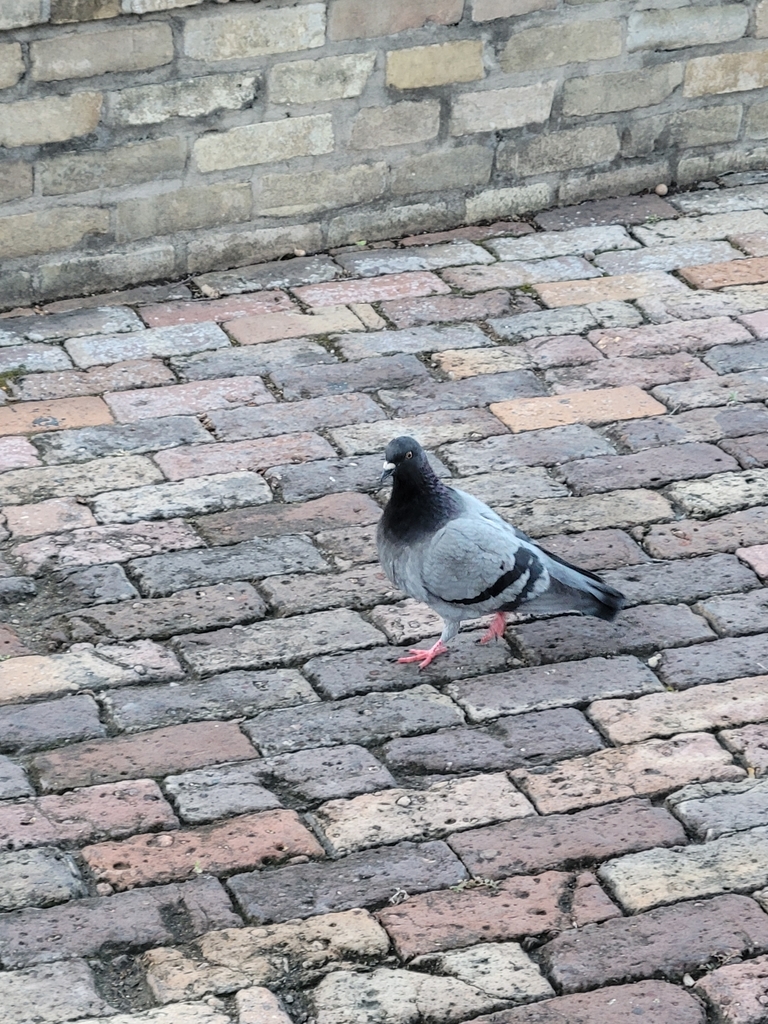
[(574, 589)]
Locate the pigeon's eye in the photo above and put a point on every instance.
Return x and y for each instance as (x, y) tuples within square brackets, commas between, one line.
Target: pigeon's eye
[(409, 455)]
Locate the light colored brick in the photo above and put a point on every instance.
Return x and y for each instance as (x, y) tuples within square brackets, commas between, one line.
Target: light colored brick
[(593, 407), (508, 202), (101, 349), (685, 26), (555, 45), (726, 72), (459, 364), (29, 233), (622, 182), (320, 80), (15, 180), (575, 242), (359, 19), (195, 496), (260, 1006), (50, 993), (124, 165), (64, 11), (497, 109), (613, 510), (377, 289), (264, 143), (52, 119), (434, 428), (712, 226), (757, 558), (186, 399), (60, 414), (489, 10), (623, 90), (22, 486), (241, 246), (79, 273), (238, 33), (642, 769), (285, 195), (443, 169), (723, 492), (396, 814), (85, 54), (422, 67), (560, 151), (150, 6), (11, 64), (188, 97), (619, 288), (276, 326), (396, 125), (17, 453), (733, 863), (182, 210), (389, 220), (22, 13), (53, 516), (739, 989), (500, 969)]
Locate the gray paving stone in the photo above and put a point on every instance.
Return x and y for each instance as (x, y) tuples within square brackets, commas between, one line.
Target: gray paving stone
[(332, 476), (50, 994), (735, 358), (252, 360), (731, 658), (38, 878), (597, 549), (651, 468), (667, 257), (13, 780), (33, 358), (575, 241), (706, 424), (728, 200), (566, 320), (738, 614), (160, 575), (160, 341), (73, 323), (683, 580), (28, 727), (472, 391), (230, 695), (721, 493), (395, 371), (361, 879), (708, 226), (98, 584), (627, 210), (361, 587), (145, 436), (432, 428), (195, 496), (279, 274), (549, 447), (749, 386), (414, 340), (549, 686), (285, 417), (712, 809), (372, 718), (373, 262), (24, 486), (511, 488)]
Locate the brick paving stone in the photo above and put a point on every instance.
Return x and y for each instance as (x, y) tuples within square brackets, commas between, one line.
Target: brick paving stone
[(14, 589), (255, 360), (371, 718), (334, 410), (734, 359), (688, 537), (722, 201), (751, 452), (627, 210), (408, 621), (13, 780), (651, 468), (393, 815), (38, 878), (71, 324), (17, 453), (419, 339), (239, 844), (670, 940), (714, 809), (349, 546), (520, 272), (181, 1013), (53, 993), (344, 675), (85, 667), (737, 992), (267, 327), (168, 314), (476, 391), (221, 605), (86, 815), (325, 476), (738, 614), (226, 696), (132, 373), (361, 879), (590, 407), (273, 643), (259, 1004), (597, 549), (756, 322), (28, 727), (459, 364), (693, 305), (621, 509), (335, 511), (753, 243), (500, 969), (62, 414), (751, 745), (731, 658), (97, 442), (168, 913), (153, 753), (538, 738), (23, 486), (526, 326), (574, 241), (357, 588), (657, 1001), (535, 844), (432, 429), (706, 424), (52, 516), (651, 339), (756, 557), (690, 580), (509, 488), (487, 697), (197, 460), (620, 371), (519, 906), (163, 574), (701, 708), (278, 274), (640, 769), (101, 349), (442, 308), (667, 257), (475, 233), (723, 492), (547, 447), (731, 272), (380, 262), (187, 399), (643, 880), (137, 296), (388, 286), (196, 495), (567, 350), (709, 226), (618, 288), (33, 359), (749, 386), (369, 374), (11, 644)]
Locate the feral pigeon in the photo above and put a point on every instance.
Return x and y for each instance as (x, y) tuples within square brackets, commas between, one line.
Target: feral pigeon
[(449, 550)]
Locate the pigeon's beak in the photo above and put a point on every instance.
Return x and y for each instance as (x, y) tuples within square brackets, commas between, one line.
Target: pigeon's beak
[(387, 471)]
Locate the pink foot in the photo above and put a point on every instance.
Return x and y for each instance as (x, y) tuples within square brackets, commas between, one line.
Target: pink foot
[(496, 628), (423, 657)]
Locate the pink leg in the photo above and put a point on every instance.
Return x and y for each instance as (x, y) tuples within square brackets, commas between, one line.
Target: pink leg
[(496, 628), (424, 657)]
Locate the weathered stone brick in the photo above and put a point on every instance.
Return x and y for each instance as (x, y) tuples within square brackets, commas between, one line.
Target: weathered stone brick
[(561, 151), (130, 374), (186, 97), (519, 272), (285, 195), (725, 72), (506, 202), (730, 359), (164, 914), (736, 615), (440, 64), (750, 743), (615, 509), (57, 991), (325, 78), (723, 492), (11, 64), (243, 32), (651, 468), (15, 181), (28, 727), (495, 110), (51, 516), (38, 878), (50, 119), (674, 30), (356, 588), (597, 549), (90, 443), (371, 718), (370, 374), (532, 448), (83, 55), (255, 359), (25, 234), (687, 581), (667, 257), (593, 407), (264, 142), (641, 769), (196, 495), (737, 990), (324, 476), (688, 335), (433, 429), (756, 557), (161, 341), (198, 460), (749, 386), (395, 125), (182, 210), (725, 659), (720, 275), (718, 808), (168, 314), (13, 780), (356, 19), (554, 46), (279, 326), (444, 169), (331, 411), (712, 226), (620, 90), (688, 537), (621, 287), (489, 10), (442, 308), (100, 584), (621, 371)]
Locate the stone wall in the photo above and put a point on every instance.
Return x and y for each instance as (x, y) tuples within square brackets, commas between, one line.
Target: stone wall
[(144, 139)]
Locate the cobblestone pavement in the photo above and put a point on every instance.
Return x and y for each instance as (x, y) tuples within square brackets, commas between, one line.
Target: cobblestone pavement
[(223, 800)]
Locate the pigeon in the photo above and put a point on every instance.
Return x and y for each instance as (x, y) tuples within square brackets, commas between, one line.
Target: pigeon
[(448, 549)]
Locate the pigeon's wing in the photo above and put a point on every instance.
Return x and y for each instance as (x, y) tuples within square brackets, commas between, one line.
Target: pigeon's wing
[(477, 561)]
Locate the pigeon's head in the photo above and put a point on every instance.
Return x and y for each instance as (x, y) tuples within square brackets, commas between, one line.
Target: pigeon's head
[(403, 456)]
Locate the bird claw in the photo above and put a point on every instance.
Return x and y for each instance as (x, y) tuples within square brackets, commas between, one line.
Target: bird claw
[(496, 628), (423, 657)]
